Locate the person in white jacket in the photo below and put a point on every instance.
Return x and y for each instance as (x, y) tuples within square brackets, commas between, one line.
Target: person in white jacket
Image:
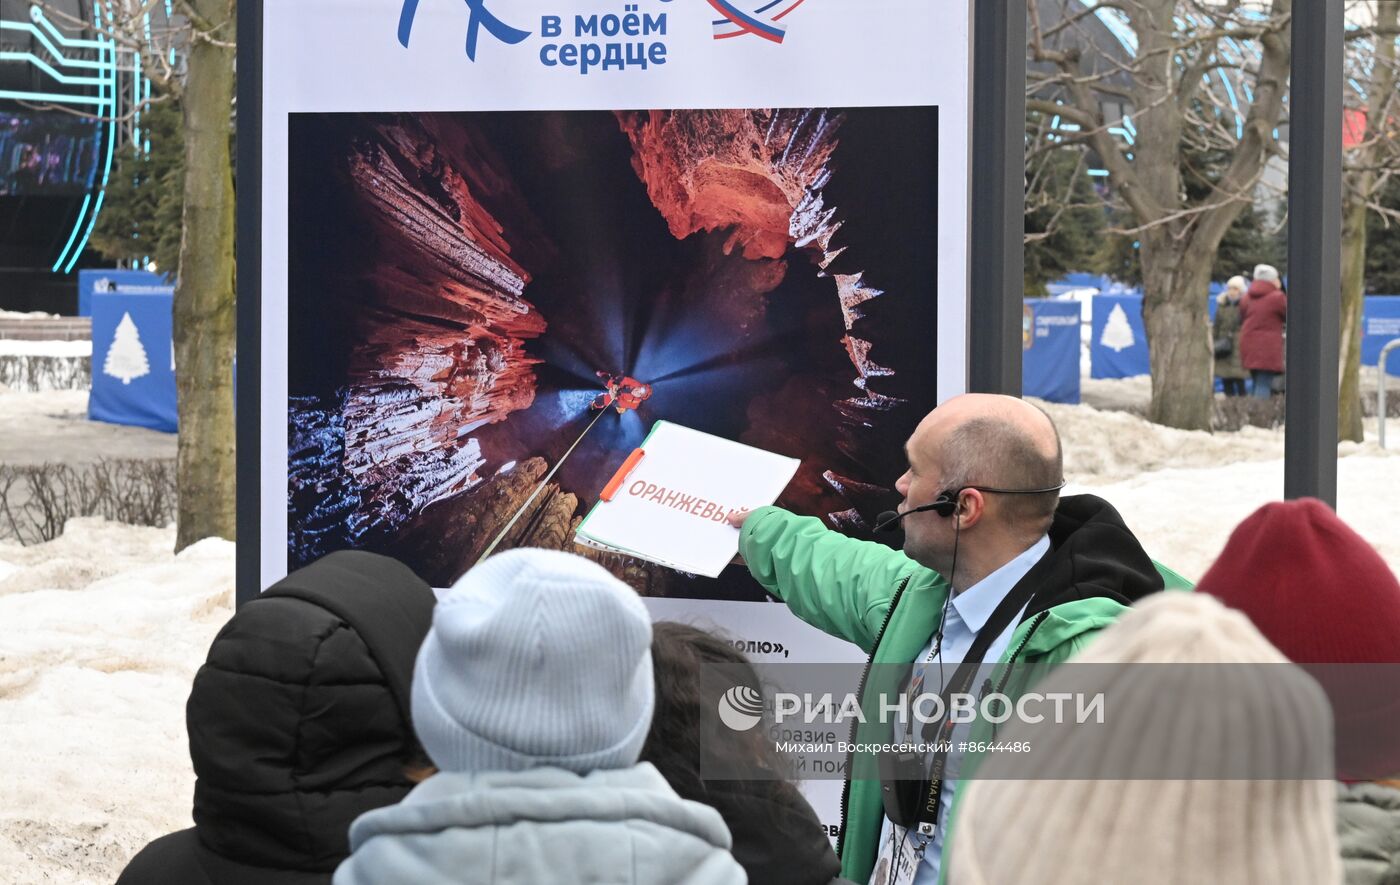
[(533, 695)]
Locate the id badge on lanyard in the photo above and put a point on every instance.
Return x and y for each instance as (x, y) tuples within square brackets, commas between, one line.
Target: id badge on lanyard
[(900, 857)]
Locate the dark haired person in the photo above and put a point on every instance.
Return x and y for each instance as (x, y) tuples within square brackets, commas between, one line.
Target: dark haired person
[(299, 723), (995, 568), (777, 837)]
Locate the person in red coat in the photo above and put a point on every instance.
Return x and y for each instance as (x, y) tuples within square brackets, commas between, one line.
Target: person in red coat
[(1263, 315)]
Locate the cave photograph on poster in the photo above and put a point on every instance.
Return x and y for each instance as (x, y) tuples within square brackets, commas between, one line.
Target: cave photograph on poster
[(461, 286)]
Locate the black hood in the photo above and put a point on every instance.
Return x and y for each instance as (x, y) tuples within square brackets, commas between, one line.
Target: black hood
[(299, 720), (1093, 553), (778, 838)]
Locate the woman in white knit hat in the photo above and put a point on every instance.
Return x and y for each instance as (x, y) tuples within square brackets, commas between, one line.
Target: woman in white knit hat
[(1212, 765), (533, 695)]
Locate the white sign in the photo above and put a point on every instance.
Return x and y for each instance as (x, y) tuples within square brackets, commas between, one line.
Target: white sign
[(453, 404), (328, 56), (670, 500)]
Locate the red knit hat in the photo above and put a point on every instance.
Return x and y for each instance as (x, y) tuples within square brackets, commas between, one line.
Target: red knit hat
[(1320, 593), (1315, 588)]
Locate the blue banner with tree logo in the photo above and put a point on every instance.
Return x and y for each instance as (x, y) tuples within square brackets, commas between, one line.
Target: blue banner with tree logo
[(133, 361), (115, 281), (1050, 340), (1380, 324), (1118, 348)]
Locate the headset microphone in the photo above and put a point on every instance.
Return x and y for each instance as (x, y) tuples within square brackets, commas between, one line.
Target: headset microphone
[(946, 504), (888, 521)]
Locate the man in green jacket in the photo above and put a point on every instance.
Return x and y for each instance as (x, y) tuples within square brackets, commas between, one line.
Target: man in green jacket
[(984, 529)]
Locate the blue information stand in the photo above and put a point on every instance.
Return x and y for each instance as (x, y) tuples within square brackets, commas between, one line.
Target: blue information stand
[(133, 361), (118, 282), (1118, 348), (1380, 324), (1050, 362)]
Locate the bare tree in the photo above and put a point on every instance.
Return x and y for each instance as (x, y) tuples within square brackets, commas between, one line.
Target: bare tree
[(1161, 85), (200, 75), (1372, 157)]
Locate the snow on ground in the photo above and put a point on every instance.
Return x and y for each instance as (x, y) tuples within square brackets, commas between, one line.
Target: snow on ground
[(1184, 515), (18, 347), (103, 630), (1183, 491), (30, 315), (53, 426)]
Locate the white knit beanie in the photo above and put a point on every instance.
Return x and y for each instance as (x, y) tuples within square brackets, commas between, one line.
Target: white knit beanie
[(1156, 832), (535, 658), (1266, 272)]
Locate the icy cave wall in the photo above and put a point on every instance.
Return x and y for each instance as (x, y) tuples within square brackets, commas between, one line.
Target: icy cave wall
[(761, 174), (439, 344), (441, 321)]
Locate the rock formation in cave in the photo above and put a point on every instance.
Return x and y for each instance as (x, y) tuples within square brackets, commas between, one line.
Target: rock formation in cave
[(760, 174), (450, 537), (429, 437), (436, 352)]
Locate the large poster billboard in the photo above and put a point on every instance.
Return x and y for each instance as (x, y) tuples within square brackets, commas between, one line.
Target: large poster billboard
[(472, 214)]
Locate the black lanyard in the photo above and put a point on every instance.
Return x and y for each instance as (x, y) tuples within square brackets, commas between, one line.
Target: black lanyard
[(910, 802)]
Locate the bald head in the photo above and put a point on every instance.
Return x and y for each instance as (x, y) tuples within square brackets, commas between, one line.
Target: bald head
[(1002, 441)]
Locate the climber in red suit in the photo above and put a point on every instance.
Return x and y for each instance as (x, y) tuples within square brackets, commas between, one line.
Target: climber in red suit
[(623, 392)]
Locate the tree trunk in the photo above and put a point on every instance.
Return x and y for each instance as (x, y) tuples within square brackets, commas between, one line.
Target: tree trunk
[(1353, 288), (204, 294), (1361, 187), (1175, 316)]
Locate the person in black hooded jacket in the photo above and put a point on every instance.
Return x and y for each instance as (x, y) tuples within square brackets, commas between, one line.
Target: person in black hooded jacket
[(298, 722), (778, 839)]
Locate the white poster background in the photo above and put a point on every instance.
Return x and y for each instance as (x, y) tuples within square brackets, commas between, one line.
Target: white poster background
[(345, 56)]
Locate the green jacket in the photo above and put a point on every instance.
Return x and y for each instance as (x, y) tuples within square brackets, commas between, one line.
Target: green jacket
[(1368, 824), (847, 587)]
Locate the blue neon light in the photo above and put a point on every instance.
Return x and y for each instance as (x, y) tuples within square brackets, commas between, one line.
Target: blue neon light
[(107, 98), (44, 66), (87, 198), (1234, 103), (111, 143), (51, 97)]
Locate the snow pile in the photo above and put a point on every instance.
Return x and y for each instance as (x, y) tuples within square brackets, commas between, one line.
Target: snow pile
[(17, 406), (104, 628), (1104, 446), (20, 347), (1183, 516), (1183, 491), (30, 315)]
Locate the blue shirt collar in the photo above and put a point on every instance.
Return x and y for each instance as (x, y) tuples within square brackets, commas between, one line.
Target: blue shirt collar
[(976, 604)]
